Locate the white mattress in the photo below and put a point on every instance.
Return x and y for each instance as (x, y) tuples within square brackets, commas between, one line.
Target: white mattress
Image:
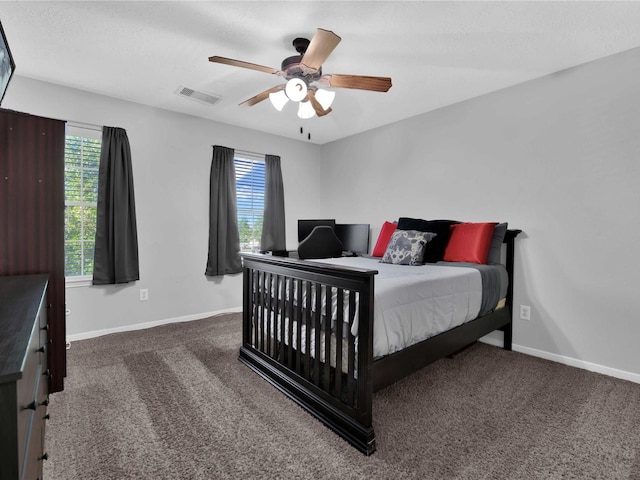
[(413, 303)]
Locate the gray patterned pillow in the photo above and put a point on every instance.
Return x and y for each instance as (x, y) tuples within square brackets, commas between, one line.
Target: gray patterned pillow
[(406, 247)]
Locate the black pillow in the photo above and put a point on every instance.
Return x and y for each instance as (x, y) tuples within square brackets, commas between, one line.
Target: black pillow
[(493, 258), (442, 228)]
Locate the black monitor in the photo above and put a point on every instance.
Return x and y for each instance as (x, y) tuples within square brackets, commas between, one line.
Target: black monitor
[(354, 236), (306, 226)]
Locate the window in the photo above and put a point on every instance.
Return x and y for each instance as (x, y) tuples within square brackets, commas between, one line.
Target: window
[(81, 165), (250, 173)]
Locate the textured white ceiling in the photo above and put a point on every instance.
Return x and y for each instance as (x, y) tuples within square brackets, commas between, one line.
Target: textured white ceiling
[(437, 53)]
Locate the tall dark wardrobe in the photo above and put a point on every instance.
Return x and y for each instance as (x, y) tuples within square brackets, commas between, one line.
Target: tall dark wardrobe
[(32, 216)]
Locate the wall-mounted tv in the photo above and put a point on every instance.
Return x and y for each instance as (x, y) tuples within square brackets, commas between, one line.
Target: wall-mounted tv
[(7, 67)]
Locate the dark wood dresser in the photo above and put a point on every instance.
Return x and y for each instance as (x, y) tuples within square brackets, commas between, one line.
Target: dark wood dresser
[(24, 377)]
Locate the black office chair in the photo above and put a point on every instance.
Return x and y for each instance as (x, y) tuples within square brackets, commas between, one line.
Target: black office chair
[(322, 242)]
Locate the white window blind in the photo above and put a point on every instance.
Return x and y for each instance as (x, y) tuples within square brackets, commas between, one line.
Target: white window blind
[(250, 181), (81, 166)]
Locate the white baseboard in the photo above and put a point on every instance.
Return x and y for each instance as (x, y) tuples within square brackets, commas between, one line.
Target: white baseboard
[(572, 362), (491, 339), (141, 326)]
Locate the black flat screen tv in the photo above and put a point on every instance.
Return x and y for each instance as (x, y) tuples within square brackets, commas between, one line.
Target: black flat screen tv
[(7, 67), (354, 236), (305, 226)]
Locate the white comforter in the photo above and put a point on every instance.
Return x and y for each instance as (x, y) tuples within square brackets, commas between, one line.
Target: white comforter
[(413, 303)]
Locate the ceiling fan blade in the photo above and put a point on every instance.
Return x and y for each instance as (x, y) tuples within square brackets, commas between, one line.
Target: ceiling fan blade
[(320, 112), (358, 82), (240, 63), (261, 96), (321, 46)]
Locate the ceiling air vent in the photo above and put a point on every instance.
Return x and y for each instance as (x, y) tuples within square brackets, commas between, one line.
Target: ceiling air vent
[(200, 97)]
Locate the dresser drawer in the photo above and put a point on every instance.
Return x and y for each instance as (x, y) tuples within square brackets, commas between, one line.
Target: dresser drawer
[(27, 387), (34, 453), (34, 449), (43, 314), (45, 345), (24, 382), (44, 339)]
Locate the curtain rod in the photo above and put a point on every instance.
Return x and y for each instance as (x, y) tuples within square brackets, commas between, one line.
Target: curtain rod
[(246, 152)]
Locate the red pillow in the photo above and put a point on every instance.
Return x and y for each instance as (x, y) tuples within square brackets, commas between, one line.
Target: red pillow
[(383, 239), (469, 242)]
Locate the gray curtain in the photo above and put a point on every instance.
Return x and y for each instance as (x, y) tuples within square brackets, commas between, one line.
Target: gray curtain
[(273, 227), (115, 258), (224, 239)]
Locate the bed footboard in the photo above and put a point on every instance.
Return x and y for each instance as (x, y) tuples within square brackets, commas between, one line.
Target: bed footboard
[(299, 334)]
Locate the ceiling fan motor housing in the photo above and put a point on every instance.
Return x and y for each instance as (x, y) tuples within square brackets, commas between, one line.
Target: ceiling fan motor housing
[(293, 66)]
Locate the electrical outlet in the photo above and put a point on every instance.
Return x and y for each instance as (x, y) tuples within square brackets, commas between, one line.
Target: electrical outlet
[(144, 294), (525, 312)]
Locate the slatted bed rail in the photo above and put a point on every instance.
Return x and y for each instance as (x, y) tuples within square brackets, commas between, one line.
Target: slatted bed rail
[(298, 333)]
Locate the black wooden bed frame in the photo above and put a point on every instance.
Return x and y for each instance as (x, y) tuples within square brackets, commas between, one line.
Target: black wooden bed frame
[(338, 392)]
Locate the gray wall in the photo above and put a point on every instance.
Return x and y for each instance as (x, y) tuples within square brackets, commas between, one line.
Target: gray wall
[(171, 161), (559, 158)]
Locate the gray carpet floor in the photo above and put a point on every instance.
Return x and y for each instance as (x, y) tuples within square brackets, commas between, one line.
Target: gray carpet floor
[(174, 402)]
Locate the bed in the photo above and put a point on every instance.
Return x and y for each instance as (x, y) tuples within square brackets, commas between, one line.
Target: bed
[(330, 332)]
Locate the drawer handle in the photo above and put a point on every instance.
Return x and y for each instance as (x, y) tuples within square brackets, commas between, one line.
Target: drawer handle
[(47, 417), (46, 327), (41, 349), (44, 456), (31, 406), (45, 402), (47, 372)]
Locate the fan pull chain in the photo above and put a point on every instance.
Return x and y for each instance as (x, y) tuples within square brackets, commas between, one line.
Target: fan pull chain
[(308, 134)]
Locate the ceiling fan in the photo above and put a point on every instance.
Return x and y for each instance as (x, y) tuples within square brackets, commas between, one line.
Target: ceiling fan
[(302, 70)]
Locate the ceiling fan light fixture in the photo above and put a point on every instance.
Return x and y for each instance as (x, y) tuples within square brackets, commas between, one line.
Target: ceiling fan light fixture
[(296, 89), (278, 99), (306, 110), (325, 97)]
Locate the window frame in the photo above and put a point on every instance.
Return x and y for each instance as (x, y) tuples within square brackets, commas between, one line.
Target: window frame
[(91, 132)]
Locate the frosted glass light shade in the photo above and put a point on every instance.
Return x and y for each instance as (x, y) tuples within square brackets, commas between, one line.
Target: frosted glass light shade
[(306, 110), (325, 97), (278, 99), (296, 89)]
